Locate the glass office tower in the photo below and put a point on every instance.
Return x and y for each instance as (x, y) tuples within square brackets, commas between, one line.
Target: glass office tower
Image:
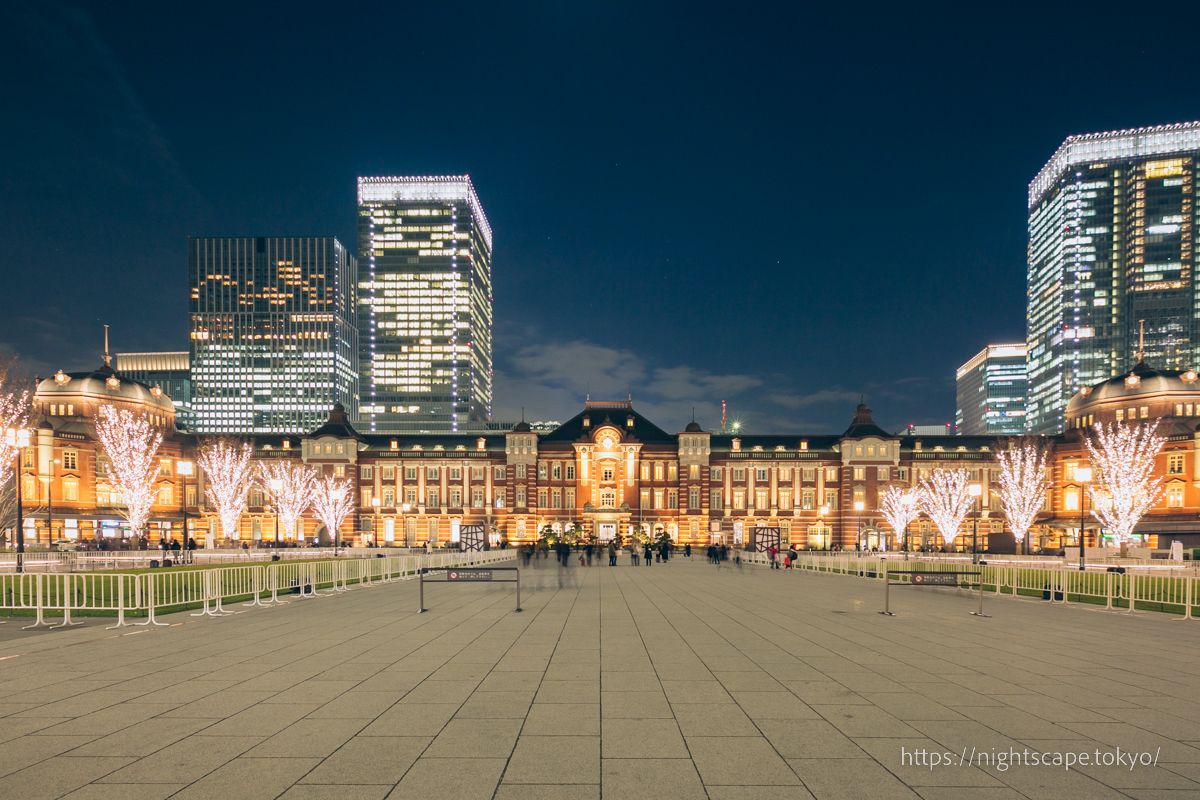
[(1111, 224), (425, 295), (991, 392), (274, 333), (170, 372)]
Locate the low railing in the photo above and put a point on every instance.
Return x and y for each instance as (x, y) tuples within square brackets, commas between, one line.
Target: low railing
[(60, 594)]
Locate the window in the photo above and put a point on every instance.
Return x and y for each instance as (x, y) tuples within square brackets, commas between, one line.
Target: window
[(714, 474), (432, 529), (570, 472), (556, 498), (694, 498), (785, 474), (164, 464), (672, 472), (645, 498), (860, 473), (367, 524), (340, 470), (341, 449), (367, 474), (658, 498), (456, 498), (410, 496), (761, 474), (556, 472), (433, 498), (1145, 412), (389, 497), (256, 497), (882, 474), (1120, 415), (456, 474), (1175, 495), (570, 498), (883, 450), (389, 473), (694, 472), (760, 499), (645, 471), (831, 474), (477, 498), (807, 499), (714, 500), (70, 488), (191, 496), (902, 472), (410, 473), (28, 488), (27, 457), (606, 474), (432, 474), (831, 498), (367, 494), (70, 460), (1071, 499), (810, 474), (608, 499), (1174, 464), (520, 497), (739, 499), (164, 495), (658, 471), (541, 472), (521, 471), (785, 500), (477, 473), (498, 474), (739, 474), (859, 496)]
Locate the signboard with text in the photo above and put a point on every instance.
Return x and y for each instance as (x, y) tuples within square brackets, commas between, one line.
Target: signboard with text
[(469, 575)]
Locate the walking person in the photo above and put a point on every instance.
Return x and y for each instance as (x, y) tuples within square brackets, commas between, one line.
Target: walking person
[(687, 550), (633, 554), (612, 554), (590, 547), (646, 554)]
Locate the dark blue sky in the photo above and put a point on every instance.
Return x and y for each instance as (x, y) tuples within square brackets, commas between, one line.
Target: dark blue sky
[(773, 205)]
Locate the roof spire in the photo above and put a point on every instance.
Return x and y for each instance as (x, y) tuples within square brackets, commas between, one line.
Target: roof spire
[(693, 413), (107, 357)]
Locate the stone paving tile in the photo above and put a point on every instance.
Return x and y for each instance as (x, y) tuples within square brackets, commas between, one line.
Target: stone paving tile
[(680, 681)]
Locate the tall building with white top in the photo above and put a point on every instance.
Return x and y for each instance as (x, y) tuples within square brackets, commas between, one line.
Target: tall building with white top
[(425, 304), (1111, 232)]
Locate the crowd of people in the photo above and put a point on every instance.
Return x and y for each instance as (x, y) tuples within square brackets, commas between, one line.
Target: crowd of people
[(567, 555)]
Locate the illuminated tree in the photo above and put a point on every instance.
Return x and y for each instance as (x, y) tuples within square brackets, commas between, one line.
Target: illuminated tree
[(290, 487), (131, 443), (226, 465), (1125, 488), (333, 500), (14, 415), (1023, 483), (945, 498), (900, 507)]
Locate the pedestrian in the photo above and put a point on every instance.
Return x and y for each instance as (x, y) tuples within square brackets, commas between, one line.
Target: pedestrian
[(633, 554), (666, 551), (773, 553), (791, 557), (612, 554), (590, 547), (646, 554), (687, 550)]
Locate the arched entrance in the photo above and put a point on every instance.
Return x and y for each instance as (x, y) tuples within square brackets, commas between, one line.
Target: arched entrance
[(322, 536), (873, 539)]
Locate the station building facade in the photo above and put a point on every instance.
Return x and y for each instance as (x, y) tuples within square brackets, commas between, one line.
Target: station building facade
[(605, 471)]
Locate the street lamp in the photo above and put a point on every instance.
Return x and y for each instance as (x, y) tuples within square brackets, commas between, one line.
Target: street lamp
[(821, 512), (19, 440), (404, 509), (908, 499), (185, 468), (276, 486), (976, 491), (338, 496), (1083, 475), (50, 504)]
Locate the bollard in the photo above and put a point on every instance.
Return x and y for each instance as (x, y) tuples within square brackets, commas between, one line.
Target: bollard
[(980, 613), (887, 582), (421, 585)]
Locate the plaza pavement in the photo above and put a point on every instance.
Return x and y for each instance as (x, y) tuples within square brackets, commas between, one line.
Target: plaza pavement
[(667, 681)]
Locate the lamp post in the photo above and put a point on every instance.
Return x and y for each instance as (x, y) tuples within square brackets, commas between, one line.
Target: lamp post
[(276, 486), (339, 495), (18, 439), (976, 492), (908, 499), (1083, 475), (50, 504), (404, 509), (184, 468)]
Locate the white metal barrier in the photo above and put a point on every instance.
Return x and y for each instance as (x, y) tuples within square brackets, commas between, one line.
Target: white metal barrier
[(115, 593)]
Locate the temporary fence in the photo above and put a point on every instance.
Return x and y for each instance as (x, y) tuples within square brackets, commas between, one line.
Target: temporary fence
[(50, 596), (1115, 588)]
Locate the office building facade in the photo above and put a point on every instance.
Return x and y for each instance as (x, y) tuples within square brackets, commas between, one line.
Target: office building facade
[(1111, 225), (991, 392), (169, 371), (425, 304), (274, 333)]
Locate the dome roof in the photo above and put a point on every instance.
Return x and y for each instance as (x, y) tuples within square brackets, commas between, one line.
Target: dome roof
[(104, 383), (1141, 380), (693, 427), (522, 427)]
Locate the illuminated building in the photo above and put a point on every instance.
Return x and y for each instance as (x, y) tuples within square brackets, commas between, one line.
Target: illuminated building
[(991, 392), (274, 331), (1111, 223), (425, 294), (170, 372)]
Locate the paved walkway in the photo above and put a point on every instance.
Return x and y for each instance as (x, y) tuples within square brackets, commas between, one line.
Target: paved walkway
[(669, 681)]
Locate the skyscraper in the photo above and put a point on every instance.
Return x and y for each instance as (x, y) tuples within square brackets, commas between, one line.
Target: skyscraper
[(170, 372), (425, 294), (1111, 224), (991, 392), (274, 333)]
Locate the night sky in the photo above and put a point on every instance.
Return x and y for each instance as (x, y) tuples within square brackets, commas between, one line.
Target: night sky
[(779, 206)]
